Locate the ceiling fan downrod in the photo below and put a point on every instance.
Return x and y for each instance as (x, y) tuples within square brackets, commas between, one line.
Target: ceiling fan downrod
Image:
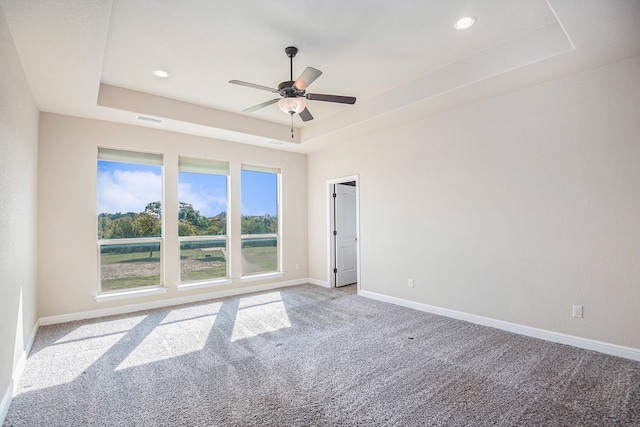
[(291, 52)]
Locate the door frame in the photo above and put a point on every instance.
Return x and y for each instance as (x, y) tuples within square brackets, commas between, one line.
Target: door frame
[(330, 241)]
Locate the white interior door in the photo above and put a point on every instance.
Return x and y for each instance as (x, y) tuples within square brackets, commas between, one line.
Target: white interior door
[(345, 235)]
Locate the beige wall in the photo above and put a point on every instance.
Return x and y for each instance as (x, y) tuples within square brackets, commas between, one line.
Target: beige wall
[(18, 187), (67, 206), (514, 208)]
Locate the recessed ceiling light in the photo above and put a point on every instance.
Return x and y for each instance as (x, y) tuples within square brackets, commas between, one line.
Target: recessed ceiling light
[(464, 22), (160, 73)]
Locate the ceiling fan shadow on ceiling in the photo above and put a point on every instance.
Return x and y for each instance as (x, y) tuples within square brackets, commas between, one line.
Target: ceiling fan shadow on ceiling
[(293, 94)]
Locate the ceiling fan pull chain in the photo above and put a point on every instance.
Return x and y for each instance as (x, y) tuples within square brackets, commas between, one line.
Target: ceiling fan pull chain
[(291, 125)]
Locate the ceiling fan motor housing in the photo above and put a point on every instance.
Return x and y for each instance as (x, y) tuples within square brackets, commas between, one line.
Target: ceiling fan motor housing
[(286, 89)]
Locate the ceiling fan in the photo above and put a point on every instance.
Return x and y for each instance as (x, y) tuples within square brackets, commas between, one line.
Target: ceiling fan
[(293, 93)]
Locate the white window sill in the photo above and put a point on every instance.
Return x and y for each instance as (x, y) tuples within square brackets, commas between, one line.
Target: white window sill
[(255, 277), (138, 293), (201, 285)]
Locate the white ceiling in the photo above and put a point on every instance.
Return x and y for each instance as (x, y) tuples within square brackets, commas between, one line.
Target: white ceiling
[(402, 59)]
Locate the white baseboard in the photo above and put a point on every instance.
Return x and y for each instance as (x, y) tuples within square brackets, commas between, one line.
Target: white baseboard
[(319, 283), (599, 346), (19, 366), (6, 402), (130, 308)]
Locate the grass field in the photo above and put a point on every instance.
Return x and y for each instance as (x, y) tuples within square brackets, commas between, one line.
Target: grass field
[(135, 270), (259, 259), (195, 266), (111, 258), (129, 270)]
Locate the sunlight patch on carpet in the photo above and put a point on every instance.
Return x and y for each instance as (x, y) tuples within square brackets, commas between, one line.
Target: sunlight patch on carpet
[(70, 356), (104, 328), (259, 314), (182, 331)]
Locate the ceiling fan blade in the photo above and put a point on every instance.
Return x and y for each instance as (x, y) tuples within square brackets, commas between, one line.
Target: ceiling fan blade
[(305, 115), (259, 106), (331, 98), (253, 85), (308, 76)]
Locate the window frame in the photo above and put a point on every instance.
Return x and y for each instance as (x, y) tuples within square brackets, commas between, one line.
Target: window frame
[(210, 167), (278, 235), (135, 158)]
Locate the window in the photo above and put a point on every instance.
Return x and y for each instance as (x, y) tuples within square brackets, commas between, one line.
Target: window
[(260, 220), (129, 220), (202, 219)]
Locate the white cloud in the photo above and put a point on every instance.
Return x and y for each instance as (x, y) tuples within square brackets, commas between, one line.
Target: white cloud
[(205, 203), (127, 191), (249, 212)]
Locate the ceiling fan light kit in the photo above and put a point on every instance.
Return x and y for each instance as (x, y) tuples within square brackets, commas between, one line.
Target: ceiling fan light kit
[(292, 105), (293, 93)]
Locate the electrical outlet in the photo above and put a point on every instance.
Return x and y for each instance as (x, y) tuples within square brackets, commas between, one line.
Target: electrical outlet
[(411, 283), (577, 311), (297, 266)]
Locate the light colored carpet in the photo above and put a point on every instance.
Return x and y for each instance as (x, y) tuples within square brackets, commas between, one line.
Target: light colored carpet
[(310, 356)]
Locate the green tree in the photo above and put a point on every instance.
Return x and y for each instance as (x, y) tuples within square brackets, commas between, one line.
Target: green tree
[(186, 229), (264, 224), (188, 215), (153, 208), (123, 227), (147, 225), (104, 226), (214, 227), (191, 223)]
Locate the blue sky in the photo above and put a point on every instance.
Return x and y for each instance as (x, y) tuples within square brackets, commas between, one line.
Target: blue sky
[(124, 187), (259, 193)]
